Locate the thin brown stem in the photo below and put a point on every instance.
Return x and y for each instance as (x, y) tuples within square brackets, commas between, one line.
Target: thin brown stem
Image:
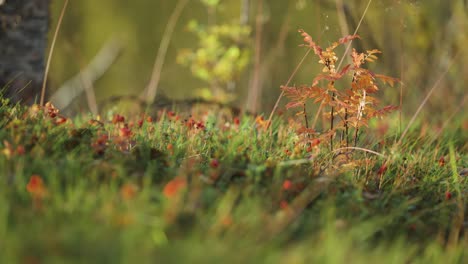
[(402, 66), (305, 116), (287, 84), (356, 134), (255, 91), (276, 52), (344, 31), (317, 115), (150, 92), (342, 22), (355, 31), (346, 127), (52, 48), (361, 149), (332, 119)]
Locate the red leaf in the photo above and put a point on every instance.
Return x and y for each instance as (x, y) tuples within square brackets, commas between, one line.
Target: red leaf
[(308, 39), (331, 77), (386, 79), (345, 39), (344, 70), (326, 77), (386, 110), (294, 104)]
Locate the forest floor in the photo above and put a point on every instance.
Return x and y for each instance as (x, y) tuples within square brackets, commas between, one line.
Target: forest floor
[(214, 187)]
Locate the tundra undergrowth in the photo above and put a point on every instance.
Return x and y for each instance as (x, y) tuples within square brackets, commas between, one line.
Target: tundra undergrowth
[(169, 185)]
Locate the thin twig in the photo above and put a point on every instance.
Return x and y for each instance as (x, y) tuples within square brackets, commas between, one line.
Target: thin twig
[(255, 90), (317, 115), (355, 31), (402, 66), (332, 119), (342, 21), (346, 125), (274, 53), (362, 149), (362, 104), (150, 92), (287, 84), (52, 46), (344, 32)]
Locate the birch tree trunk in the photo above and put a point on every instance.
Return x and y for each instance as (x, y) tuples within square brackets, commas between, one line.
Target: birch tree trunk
[(23, 43)]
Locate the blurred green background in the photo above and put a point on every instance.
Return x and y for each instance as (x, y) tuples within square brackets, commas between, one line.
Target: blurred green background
[(418, 39)]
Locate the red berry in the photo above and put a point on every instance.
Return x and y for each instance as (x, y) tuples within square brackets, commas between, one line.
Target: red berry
[(287, 185), (214, 163), (448, 195)]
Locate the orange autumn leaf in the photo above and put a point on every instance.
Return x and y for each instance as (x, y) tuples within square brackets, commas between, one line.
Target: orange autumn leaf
[(36, 187), (174, 186)]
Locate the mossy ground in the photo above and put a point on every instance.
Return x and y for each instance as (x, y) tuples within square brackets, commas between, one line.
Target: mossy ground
[(212, 187)]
